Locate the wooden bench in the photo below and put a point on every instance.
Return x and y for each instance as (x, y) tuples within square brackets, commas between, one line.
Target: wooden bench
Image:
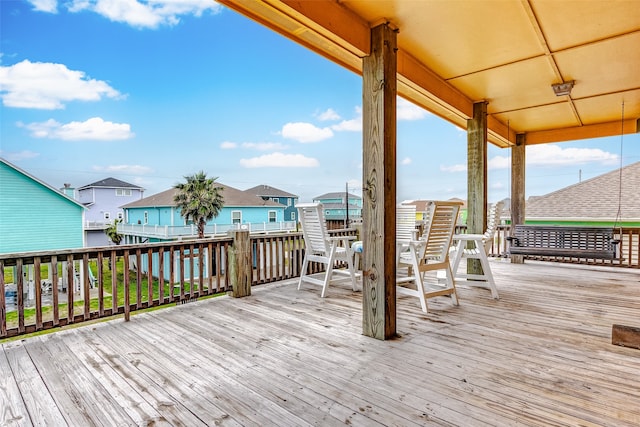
[(563, 241)]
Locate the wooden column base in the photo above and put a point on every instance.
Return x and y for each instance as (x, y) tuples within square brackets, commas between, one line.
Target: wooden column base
[(626, 336)]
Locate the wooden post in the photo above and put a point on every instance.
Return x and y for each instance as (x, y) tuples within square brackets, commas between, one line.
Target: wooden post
[(518, 188), (240, 264), (379, 185), (476, 177)]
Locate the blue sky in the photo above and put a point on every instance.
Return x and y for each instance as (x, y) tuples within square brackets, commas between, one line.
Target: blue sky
[(151, 91)]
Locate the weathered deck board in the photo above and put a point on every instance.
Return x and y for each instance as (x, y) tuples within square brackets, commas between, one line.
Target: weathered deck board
[(539, 356)]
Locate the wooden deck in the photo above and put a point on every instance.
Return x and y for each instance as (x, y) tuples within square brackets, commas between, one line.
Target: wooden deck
[(540, 356)]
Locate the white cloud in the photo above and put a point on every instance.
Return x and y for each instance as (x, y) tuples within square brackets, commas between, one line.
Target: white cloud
[(264, 146), (228, 145), (554, 155), (50, 6), (305, 132), (18, 155), (406, 161), (405, 110), (124, 169), (548, 155), (280, 160), (353, 125), (330, 114), (499, 162), (145, 13), (454, 168), (92, 129), (47, 86)]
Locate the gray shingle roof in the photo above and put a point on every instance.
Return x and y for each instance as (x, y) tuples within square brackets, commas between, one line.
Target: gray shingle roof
[(110, 183), (593, 199), (336, 195), (232, 198), (268, 191)]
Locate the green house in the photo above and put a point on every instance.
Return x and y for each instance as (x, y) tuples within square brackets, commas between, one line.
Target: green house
[(35, 216)]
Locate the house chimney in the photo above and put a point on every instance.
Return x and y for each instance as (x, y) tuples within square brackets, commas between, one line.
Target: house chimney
[(68, 191)]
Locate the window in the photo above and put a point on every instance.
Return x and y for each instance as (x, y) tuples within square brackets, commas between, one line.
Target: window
[(276, 199), (123, 192), (146, 217), (289, 201), (107, 216), (272, 216), (293, 216), (120, 216), (236, 217), (327, 213)]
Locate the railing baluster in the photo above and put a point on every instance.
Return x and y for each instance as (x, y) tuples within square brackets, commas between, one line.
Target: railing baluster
[(138, 279), (100, 279), (70, 289), (127, 303), (37, 283), (86, 288), (54, 290), (161, 297), (114, 281), (150, 277), (3, 304)]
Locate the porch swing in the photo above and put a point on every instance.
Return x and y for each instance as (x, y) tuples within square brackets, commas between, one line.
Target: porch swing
[(571, 241)]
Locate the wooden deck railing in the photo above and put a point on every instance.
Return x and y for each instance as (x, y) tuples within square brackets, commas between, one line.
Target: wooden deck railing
[(168, 273), (45, 290)]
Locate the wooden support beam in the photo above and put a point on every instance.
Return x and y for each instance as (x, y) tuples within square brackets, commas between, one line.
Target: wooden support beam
[(476, 177), (626, 336), (379, 185), (240, 269), (518, 164)]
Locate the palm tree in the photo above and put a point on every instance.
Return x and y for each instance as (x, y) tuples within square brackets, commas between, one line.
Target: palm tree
[(112, 232), (199, 199)]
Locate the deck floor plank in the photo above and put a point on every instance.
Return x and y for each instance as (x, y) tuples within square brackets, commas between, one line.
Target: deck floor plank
[(541, 355)]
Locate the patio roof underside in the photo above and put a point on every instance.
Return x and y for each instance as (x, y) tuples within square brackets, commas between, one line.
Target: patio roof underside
[(508, 53)]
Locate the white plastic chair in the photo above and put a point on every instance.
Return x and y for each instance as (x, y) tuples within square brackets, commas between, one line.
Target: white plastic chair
[(325, 249), (430, 253), (477, 246)]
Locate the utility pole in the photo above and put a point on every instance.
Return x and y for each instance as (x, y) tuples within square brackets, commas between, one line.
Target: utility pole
[(346, 202)]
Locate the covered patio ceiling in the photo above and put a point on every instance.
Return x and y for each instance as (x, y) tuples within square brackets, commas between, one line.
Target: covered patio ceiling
[(506, 52)]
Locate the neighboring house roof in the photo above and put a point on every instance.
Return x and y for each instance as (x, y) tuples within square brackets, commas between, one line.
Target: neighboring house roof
[(110, 183), (594, 199), (336, 195), (232, 198), (268, 191)]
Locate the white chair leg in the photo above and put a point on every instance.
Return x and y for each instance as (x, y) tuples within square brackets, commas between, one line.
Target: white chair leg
[(486, 269), (420, 287), (451, 282), (303, 272), (352, 272)]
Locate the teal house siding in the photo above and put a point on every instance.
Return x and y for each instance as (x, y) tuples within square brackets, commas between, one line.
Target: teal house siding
[(35, 216), (335, 206), (171, 216)]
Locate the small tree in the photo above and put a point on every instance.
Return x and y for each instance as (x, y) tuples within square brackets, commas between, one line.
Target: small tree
[(199, 199), (112, 232)]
